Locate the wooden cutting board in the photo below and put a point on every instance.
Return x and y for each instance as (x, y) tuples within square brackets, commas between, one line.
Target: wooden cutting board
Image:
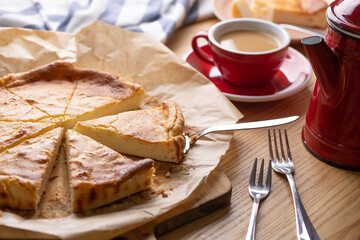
[(214, 194)]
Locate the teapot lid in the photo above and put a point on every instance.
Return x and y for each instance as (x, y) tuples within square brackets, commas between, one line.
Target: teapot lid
[(344, 16)]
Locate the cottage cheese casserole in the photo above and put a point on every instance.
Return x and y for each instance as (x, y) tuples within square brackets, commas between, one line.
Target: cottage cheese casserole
[(155, 133), (38, 112)]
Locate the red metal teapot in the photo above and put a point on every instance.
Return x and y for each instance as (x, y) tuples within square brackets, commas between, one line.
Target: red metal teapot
[(332, 128)]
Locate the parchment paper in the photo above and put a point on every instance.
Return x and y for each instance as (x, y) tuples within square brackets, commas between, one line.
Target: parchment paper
[(141, 59)]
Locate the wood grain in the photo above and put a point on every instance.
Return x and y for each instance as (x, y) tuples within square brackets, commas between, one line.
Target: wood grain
[(331, 195), (214, 194)]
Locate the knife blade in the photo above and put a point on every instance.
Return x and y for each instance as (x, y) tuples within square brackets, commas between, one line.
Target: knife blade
[(190, 141), (249, 125)]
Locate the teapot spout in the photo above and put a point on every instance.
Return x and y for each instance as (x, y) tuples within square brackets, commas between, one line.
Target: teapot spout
[(324, 63)]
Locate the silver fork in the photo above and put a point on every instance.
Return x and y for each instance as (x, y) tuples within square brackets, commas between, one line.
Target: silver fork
[(304, 227), (257, 192)]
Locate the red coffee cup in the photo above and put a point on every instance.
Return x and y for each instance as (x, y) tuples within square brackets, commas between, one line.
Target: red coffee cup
[(243, 68)]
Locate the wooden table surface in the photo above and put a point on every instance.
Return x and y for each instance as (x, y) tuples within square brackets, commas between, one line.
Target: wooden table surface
[(331, 196)]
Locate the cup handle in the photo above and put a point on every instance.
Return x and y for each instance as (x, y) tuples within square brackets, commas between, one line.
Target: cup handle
[(200, 53)]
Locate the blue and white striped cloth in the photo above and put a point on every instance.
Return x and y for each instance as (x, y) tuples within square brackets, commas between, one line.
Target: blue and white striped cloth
[(158, 18)]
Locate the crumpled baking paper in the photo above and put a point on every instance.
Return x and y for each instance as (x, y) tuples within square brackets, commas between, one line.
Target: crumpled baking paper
[(139, 58)]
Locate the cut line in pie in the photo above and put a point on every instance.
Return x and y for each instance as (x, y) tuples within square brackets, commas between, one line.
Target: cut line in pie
[(13, 133), (14, 108), (67, 94), (38, 108), (154, 133), (99, 175), (26, 168)]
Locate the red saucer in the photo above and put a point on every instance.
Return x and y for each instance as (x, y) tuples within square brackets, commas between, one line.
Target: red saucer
[(292, 77)]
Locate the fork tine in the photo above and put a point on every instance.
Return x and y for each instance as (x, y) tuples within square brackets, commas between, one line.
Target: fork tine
[(261, 173), (268, 177), (287, 146), (253, 174), (304, 227), (276, 147), (257, 192), (281, 147), (270, 146)]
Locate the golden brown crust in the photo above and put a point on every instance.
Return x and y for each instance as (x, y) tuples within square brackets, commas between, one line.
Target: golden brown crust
[(56, 70), (136, 132), (160, 124), (97, 164), (14, 108), (56, 80), (288, 11), (88, 196), (95, 168), (60, 70), (97, 82), (176, 130), (12, 133), (25, 168), (18, 193), (283, 11), (68, 94), (101, 90), (29, 159)]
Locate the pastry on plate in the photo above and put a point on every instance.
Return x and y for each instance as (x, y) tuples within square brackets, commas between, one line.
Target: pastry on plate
[(99, 175), (281, 11), (26, 168), (155, 133)]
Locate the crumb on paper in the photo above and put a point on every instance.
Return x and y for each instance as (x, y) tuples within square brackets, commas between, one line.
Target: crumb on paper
[(167, 175), (163, 193), (150, 102)]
